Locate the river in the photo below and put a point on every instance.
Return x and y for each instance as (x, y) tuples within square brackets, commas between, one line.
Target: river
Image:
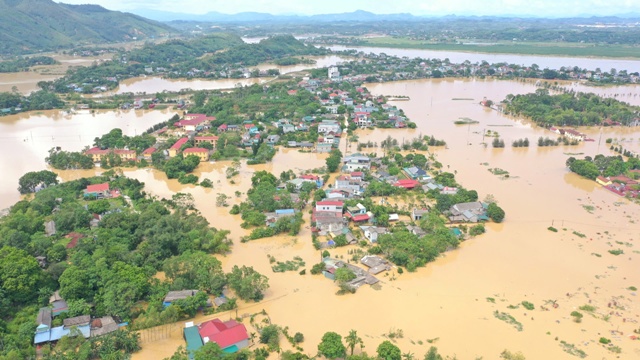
[(445, 302), (551, 62)]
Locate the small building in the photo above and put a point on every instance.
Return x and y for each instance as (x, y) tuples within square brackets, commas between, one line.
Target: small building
[(468, 212), (230, 335), (192, 338), (324, 148), (148, 153), (201, 153), (447, 190), (199, 140), (407, 184), (58, 304), (177, 295), (603, 181), (373, 232), (375, 264), (418, 214), (273, 139), (98, 191), (175, 148), (193, 121), (328, 205), (102, 326), (415, 173)]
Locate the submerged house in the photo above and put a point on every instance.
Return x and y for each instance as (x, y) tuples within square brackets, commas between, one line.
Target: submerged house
[(177, 295), (230, 335), (468, 212)]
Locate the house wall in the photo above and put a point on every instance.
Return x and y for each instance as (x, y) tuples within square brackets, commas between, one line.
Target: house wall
[(242, 344)]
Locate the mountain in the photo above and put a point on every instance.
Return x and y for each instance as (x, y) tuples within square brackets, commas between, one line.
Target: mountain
[(28, 26), (245, 17)]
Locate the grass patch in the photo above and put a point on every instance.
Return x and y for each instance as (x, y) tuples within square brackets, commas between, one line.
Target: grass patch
[(491, 300), (498, 171), (289, 265), (632, 288), (572, 349), (579, 234), (431, 341), (551, 228), (508, 319), (616, 252), (527, 305), (596, 254), (589, 208), (587, 308)]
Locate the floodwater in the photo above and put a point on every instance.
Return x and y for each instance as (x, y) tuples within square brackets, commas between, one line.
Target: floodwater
[(25, 139), (552, 62), (445, 302)]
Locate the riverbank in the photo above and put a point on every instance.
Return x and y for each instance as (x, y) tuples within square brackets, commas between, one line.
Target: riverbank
[(519, 48)]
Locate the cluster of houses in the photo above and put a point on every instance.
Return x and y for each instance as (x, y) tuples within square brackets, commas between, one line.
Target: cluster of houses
[(621, 184), (83, 325)]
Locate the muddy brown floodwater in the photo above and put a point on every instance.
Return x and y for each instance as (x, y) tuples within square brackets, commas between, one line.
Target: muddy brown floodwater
[(450, 302)]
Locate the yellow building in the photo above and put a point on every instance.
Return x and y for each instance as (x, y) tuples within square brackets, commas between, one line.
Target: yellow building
[(202, 153), (213, 140)]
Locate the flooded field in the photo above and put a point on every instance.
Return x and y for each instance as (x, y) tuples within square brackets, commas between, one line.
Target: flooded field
[(451, 303)]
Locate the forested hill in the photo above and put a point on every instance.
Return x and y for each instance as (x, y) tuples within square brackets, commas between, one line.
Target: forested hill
[(28, 26)]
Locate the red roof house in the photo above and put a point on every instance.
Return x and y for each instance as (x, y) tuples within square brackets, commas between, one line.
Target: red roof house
[(230, 335), (407, 183), (74, 236), (191, 121)]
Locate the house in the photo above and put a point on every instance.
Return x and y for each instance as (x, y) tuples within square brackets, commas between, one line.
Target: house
[(96, 153), (192, 338), (191, 122), (230, 335), (359, 209), (58, 305), (50, 228), (468, 212), (177, 295), (415, 173), (199, 140), (273, 139), (375, 264), (333, 73), (574, 135), (288, 128), (407, 184), (98, 191), (273, 217), (102, 326), (201, 153), (324, 148), (449, 190), (603, 181), (314, 178), (418, 214), (352, 166), (222, 128), (233, 128), (330, 206), (175, 148), (148, 153), (416, 230), (45, 333), (372, 233), (329, 126)]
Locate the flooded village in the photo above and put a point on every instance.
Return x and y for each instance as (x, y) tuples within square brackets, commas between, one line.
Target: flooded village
[(515, 279)]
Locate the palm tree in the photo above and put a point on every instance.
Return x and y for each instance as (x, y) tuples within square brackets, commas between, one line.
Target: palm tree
[(352, 340), (408, 356)]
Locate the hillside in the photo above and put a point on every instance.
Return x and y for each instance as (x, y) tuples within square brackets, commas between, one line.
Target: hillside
[(28, 26)]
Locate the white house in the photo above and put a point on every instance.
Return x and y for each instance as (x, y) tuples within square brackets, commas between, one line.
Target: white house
[(373, 232), (327, 126), (329, 205), (333, 73)]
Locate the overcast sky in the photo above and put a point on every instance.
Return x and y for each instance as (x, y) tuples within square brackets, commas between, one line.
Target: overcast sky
[(545, 8)]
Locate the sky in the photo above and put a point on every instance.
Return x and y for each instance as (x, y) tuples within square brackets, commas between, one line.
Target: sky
[(543, 8)]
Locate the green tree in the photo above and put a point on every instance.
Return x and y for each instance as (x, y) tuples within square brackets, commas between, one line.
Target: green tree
[(331, 346), (195, 270), (334, 160), (248, 283), (99, 206), (344, 275), (352, 340), (388, 351), (30, 181), (432, 354), (495, 212), (20, 274), (77, 283)]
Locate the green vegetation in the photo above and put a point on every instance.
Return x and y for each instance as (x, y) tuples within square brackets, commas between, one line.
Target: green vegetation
[(616, 252), (552, 229), (331, 346), (572, 349), (334, 160), (113, 264), (23, 64), (587, 308), (38, 100), (248, 283), (289, 265), (495, 212), (577, 316), (602, 165), (569, 109), (34, 180), (527, 305), (175, 51), (51, 26), (524, 48), (508, 319), (387, 350)]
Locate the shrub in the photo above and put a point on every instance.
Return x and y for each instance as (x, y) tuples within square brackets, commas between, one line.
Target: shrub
[(527, 305)]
